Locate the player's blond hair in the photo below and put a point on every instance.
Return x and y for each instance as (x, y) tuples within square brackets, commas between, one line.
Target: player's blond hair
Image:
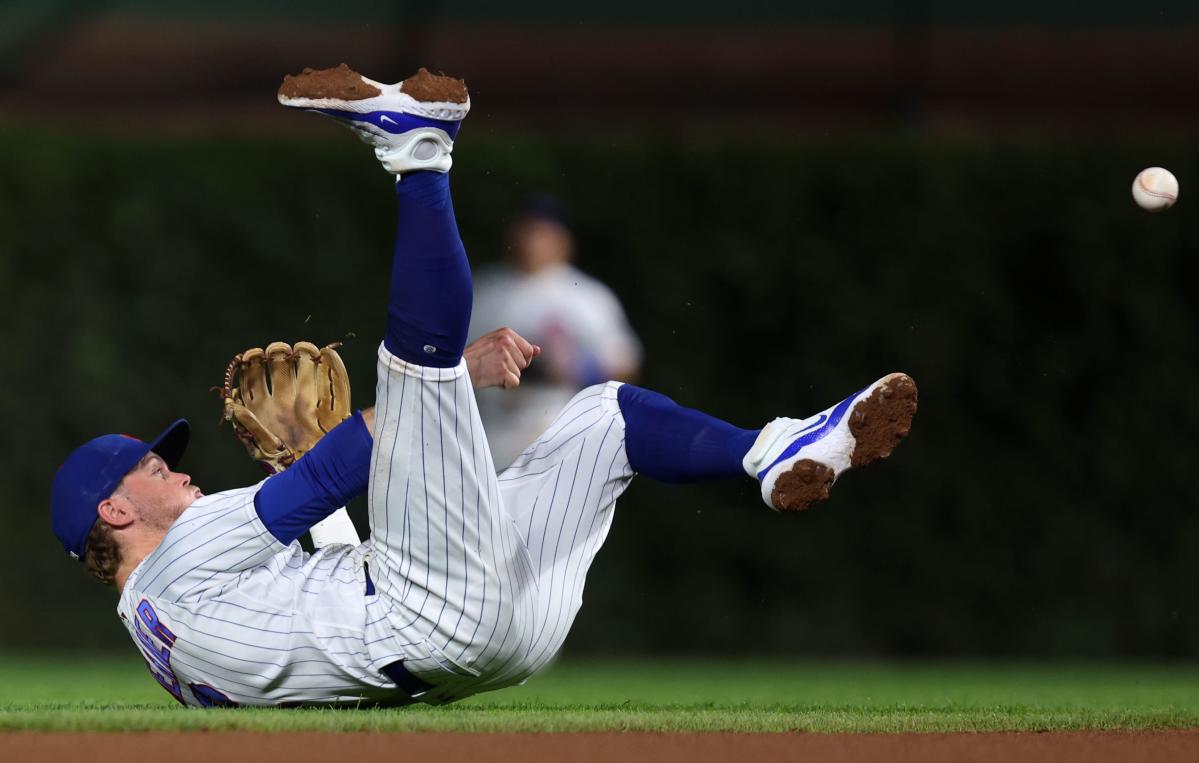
[(103, 555)]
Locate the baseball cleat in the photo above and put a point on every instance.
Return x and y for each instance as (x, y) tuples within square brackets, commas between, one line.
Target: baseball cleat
[(798, 460), (411, 124)]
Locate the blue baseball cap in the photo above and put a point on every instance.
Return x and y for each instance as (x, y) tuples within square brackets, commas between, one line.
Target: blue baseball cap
[(543, 206), (92, 472)]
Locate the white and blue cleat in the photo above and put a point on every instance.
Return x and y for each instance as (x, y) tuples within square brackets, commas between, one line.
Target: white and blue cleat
[(797, 460), (411, 124)]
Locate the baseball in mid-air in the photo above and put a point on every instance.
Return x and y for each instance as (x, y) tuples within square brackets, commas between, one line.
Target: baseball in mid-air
[(1155, 189)]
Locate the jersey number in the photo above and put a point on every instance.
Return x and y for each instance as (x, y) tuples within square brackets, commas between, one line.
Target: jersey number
[(156, 641)]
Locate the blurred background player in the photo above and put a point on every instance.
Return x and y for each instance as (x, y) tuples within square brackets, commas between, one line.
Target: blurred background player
[(576, 320)]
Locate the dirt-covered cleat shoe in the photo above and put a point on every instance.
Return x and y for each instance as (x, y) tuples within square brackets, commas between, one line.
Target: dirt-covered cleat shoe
[(797, 461), (412, 124)]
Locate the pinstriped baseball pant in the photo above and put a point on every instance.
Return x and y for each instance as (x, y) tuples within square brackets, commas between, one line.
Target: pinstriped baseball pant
[(484, 574)]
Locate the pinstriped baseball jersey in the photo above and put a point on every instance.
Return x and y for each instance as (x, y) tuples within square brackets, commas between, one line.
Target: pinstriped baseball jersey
[(221, 609), (477, 577)]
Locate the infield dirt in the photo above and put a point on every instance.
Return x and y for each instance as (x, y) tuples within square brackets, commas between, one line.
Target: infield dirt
[(1098, 747)]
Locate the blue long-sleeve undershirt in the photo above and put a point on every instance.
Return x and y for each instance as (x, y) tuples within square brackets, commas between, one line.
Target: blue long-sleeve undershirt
[(336, 470)]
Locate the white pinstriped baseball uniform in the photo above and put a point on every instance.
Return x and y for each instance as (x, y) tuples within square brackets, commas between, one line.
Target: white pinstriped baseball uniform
[(477, 577)]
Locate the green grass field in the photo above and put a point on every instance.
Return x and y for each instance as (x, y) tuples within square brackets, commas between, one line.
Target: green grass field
[(111, 694)]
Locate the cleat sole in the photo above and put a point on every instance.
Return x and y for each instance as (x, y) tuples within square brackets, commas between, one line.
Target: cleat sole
[(802, 486), (883, 419), (339, 83)]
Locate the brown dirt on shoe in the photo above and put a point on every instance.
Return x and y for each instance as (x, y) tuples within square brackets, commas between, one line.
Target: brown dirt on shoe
[(804, 485), (340, 82), (428, 87), (879, 422)]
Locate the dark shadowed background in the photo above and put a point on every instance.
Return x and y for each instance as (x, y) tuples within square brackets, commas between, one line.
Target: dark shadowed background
[(790, 198)]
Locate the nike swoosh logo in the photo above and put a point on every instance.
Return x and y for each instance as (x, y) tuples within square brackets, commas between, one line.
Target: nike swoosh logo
[(815, 431), (385, 118)]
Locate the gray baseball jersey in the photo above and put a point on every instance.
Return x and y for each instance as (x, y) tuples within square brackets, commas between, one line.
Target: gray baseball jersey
[(571, 315), (477, 578)]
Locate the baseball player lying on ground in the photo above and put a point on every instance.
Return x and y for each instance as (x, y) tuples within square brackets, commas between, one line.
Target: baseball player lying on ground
[(470, 580)]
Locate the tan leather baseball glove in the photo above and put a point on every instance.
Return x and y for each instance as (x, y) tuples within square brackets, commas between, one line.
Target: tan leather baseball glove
[(283, 399)]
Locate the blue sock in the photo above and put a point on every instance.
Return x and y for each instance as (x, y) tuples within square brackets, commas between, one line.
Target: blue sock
[(429, 311), (670, 443)]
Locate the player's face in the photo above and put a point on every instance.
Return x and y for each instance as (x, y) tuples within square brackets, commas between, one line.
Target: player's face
[(158, 494), (540, 243)]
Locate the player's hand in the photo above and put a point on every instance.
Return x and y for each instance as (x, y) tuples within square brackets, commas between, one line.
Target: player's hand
[(497, 359)]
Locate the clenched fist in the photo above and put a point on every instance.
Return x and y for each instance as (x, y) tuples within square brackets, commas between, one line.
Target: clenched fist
[(496, 359)]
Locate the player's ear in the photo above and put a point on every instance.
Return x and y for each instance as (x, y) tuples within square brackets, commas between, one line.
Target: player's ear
[(116, 511)]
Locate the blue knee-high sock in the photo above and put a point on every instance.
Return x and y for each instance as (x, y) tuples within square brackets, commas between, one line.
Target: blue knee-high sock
[(670, 443), (429, 311)]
